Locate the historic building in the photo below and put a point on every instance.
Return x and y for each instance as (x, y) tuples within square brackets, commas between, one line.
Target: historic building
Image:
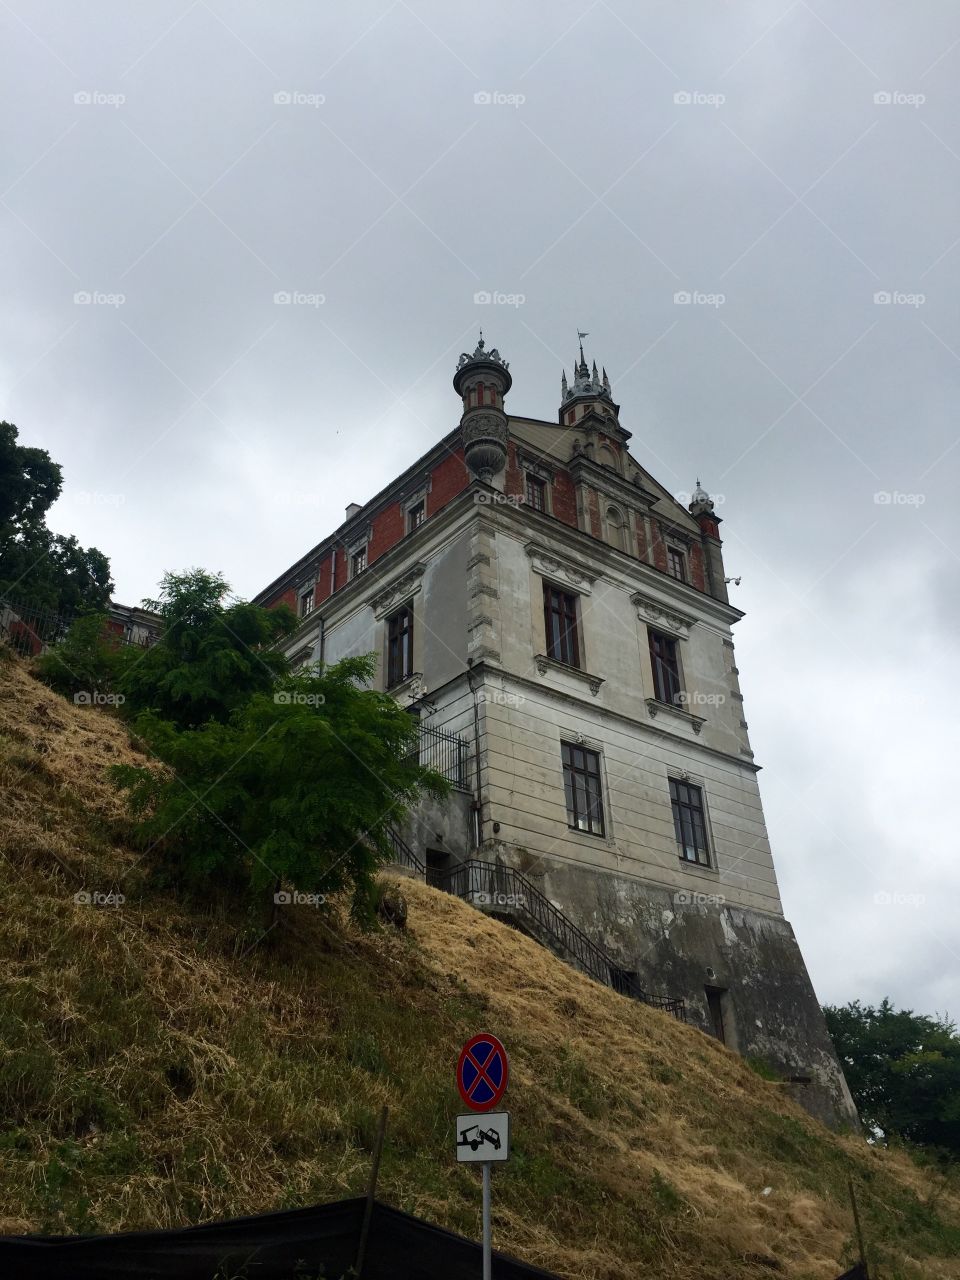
[(561, 625)]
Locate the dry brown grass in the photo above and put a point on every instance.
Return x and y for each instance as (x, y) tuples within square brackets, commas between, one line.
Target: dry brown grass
[(156, 1069)]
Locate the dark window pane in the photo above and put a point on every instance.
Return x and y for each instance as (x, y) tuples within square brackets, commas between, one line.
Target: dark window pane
[(582, 788), (688, 822)]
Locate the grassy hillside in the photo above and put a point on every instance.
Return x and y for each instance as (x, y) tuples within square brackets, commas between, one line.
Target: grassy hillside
[(159, 1067)]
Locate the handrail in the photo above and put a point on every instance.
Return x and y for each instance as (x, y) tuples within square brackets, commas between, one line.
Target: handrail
[(475, 877)]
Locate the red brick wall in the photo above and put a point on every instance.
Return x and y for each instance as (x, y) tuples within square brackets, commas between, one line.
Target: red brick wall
[(449, 478), (387, 531), (513, 480), (593, 509), (564, 498), (698, 577)]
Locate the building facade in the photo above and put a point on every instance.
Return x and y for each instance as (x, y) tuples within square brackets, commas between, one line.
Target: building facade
[(561, 625)]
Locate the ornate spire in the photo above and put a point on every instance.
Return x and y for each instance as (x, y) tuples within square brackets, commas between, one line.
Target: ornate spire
[(700, 502)]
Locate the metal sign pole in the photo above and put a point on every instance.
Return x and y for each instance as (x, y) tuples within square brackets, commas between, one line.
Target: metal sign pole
[(486, 1220)]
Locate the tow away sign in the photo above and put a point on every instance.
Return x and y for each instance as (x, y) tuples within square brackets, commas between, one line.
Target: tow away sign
[(483, 1138)]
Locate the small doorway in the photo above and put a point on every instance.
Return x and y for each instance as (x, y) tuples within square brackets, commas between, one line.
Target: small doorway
[(717, 998), (439, 864)]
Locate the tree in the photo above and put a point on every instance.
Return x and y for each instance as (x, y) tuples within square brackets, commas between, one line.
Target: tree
[(87, 661), (299, 787), (36, 565), (903, 1069), (211, 656)]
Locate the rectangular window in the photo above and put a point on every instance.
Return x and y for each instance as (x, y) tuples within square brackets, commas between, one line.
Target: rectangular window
[(666, 668), (536, 493), (676, 564), (399, 646), (689, 825), (560, 624), (415, 517), (306, 603), (582, 789), (358, 562)]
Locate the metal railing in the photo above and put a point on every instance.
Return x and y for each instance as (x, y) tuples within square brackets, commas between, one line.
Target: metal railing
[(444, 752), (30, 629), (487, 883)]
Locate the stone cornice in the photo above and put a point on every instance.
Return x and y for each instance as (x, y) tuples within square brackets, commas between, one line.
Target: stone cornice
[(560, 568), (400, 589), (651, 610), (655, 707), (545, 664)]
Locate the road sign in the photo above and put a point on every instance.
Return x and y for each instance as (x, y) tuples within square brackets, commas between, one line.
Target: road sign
[(482, 1072), (483, 1138)]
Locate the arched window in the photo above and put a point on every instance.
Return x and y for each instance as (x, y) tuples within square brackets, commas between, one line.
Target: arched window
[(608, 457), (616, 528)]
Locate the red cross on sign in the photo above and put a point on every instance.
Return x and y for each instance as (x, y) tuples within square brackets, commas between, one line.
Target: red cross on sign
[(482, 1072)]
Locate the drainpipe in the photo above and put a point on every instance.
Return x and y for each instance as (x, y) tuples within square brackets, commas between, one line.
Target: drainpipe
[(476, 807)]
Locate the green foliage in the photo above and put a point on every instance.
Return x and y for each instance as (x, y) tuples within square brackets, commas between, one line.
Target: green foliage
[(903, 1069), (44, 568), (86, 660), (298, 787), (211, 657)]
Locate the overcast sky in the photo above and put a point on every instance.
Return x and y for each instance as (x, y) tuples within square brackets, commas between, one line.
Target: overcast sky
[(787, 165)]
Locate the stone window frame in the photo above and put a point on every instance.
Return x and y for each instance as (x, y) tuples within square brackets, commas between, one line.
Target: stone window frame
[(411, 500), (577, 741), (305, 590), (695, 780)]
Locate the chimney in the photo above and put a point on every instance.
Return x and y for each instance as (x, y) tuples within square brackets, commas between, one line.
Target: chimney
[(352, 509)]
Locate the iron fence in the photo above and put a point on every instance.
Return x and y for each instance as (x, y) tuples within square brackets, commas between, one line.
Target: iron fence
[(444, 752), (30, 629)]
